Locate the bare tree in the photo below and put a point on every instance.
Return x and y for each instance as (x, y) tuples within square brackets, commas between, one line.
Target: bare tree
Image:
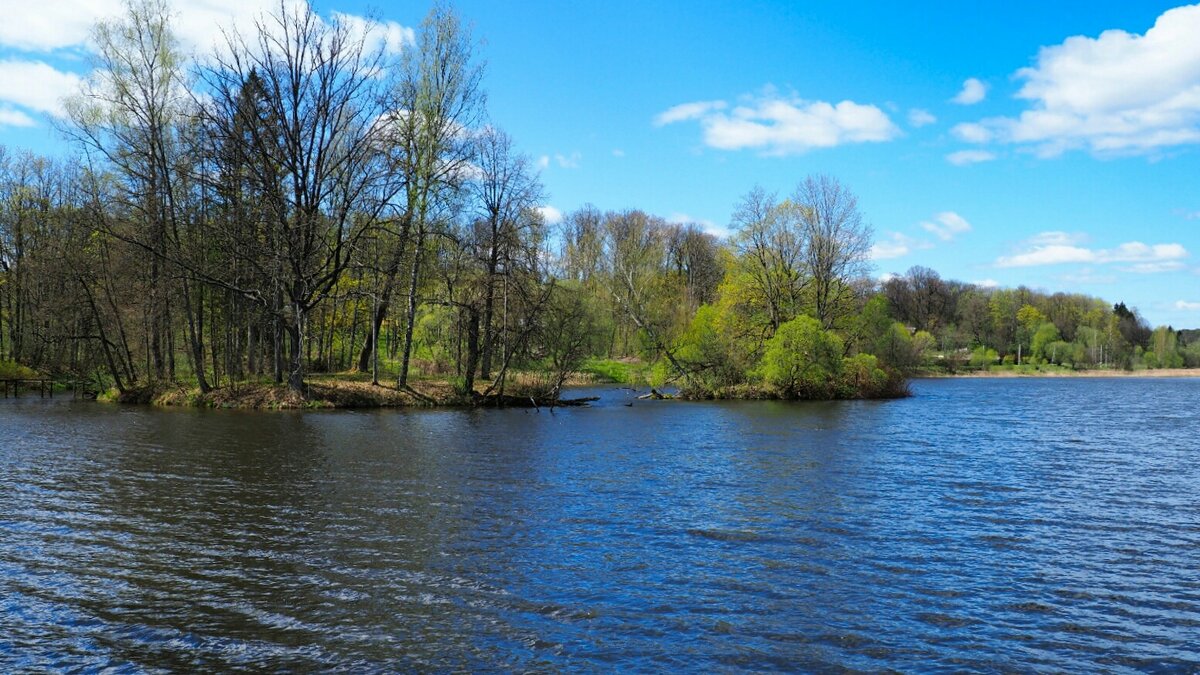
[(435, 105), (506, 190), (837, 245), (319, 167), (135, 113)]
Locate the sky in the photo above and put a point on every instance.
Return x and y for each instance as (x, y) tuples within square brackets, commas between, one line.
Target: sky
[(1052, 145)]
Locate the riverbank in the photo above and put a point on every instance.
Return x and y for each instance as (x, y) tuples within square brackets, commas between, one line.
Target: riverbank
[(341, 390), (323, 392), (1063, 372)]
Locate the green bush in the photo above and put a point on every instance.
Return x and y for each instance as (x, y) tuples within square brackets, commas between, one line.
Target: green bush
[(802, 360), (10, 370)]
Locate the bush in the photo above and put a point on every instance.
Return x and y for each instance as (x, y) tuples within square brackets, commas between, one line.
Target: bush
[(802, 360), (10, 370)]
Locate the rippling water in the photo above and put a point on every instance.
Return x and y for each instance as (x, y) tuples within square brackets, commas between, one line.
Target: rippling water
[(981, 525)]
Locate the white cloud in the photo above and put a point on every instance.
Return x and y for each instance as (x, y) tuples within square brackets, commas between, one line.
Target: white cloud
[(67, 24), (542, 162), (550, 215), (1187, 306), (10, 117), (36, 85), (987, 283), (688, 111), (897, 245), (919, 118), (706, 225), (777, 125), (1118, 93), (973, 91), (570, 161), (1057, 238), (32, 27), (392, 37), (947, 225), (1055, 248), (617, 152), (1155, 267), (972, 132), (887, 276), (967, 157), (45, 26)]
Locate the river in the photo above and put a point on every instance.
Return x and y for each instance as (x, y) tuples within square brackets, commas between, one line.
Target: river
[(1049, 524)]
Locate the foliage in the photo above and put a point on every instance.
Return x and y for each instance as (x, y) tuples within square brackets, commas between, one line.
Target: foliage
[(803, 360)]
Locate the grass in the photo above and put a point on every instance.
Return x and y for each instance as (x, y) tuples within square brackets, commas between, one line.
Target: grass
[(621, 371), (324, 391)]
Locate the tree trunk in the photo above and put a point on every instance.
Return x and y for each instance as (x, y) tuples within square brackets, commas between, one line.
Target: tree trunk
[(411, 315)]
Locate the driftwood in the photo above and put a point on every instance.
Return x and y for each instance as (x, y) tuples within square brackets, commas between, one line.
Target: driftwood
[(654, 395)]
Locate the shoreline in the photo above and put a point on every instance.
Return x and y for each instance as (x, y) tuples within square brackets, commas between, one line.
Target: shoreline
[(1163, 373)]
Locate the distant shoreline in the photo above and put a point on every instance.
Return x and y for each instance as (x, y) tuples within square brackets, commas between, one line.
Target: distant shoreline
[(1012, 374)]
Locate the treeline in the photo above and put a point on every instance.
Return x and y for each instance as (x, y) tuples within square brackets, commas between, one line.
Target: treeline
[(967, 325), (302, 200)]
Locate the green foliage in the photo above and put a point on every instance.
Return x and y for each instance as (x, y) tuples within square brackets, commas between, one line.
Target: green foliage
[(707, 351), (15, 371), (1045, 335), (861, 377), (983, 357), (803, 360), (610, 370)]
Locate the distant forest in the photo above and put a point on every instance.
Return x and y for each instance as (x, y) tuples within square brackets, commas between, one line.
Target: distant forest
[(300, 201)]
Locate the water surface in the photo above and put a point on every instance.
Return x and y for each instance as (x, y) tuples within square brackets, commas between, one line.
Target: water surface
[(981, 525)]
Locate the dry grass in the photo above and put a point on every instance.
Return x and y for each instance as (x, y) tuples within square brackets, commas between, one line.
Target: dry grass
[(323, 392)]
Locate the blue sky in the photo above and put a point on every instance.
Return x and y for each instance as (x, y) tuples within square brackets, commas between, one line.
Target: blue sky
[(1055, 145)]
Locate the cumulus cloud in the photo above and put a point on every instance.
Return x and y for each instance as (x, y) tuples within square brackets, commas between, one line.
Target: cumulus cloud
[(550, 215), (1118, 93), (972, 132), (967, 157), (392, 37), (919, 118), (987, 283), (1057, 248), (36, 85), (29, 84), (46, 26), (897, 245), (15, 118), (973, 91), (947, 225), (780, 125), (1187, 306)]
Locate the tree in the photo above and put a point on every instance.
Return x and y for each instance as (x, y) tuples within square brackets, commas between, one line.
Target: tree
[(837, 245), (320, 169), (770, 247), (136, 114), (436, 105), (506, 192), (802, 359)]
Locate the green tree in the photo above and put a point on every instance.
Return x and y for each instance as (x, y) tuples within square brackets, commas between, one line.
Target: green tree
[(803, 360)]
